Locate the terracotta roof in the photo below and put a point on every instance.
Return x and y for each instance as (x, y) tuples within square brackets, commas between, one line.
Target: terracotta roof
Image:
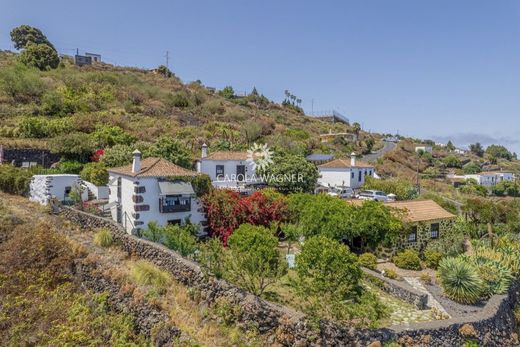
[(344, 163), (154, 167), (416, 210), (227, 155)]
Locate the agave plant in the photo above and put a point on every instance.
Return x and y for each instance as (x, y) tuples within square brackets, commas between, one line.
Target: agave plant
[(496, 275), (506, 255), (460, 280)]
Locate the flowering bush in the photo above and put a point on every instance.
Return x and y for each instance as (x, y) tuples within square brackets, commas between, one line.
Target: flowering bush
[(227, 210)]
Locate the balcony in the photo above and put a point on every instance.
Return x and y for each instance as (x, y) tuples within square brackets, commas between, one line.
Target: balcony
[(169, 205)]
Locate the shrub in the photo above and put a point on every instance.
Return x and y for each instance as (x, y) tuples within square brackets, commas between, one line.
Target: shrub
[(95, 173), (368, 260), (180, 100), (153, 232), (40, 56), (181, 239), (21, 83), (70, 167), (146, 273), (425, 278), (211, 257), (495, 275), (390, 273), (460, 280), (407, 259), (254, 262), (432, 258), (103, 238), (14, 180)]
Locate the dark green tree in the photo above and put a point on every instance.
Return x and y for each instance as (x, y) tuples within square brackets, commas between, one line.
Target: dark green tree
[(477, 149), (227, 92), (497, 151), (290, 174), (24, 35)]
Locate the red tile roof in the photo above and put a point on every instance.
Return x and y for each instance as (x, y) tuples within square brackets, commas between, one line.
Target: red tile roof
[(154, 167), (227, 155), (416, 210), (344, 163)]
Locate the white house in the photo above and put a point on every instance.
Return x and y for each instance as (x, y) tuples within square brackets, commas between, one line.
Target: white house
[(228, 169), (345, 173), (152, 189), (45, 187), (425, 149), (487, 178)]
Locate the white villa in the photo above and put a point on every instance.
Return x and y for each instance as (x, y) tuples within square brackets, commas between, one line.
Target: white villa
[(152, 189), (345, 173), (231, 170), (488, 178)]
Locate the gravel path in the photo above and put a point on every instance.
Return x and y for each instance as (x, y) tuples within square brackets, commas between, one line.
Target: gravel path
[(453, 308), (432, 302)]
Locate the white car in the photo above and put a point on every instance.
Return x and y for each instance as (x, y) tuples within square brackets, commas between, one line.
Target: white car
[(344, 193), (376, 195)]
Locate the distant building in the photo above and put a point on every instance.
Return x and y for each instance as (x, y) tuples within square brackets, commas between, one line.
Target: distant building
[(87, 59), (424, 149), (345, 173), (94, 57), (330, 116), (486, 178), (229, 169)]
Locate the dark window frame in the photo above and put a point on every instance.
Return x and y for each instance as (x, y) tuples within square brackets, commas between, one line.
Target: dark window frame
[(219, 171), (435, 232), (412, 236)]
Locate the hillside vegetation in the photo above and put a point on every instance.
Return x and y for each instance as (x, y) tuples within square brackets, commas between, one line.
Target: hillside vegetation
[(103, 105)]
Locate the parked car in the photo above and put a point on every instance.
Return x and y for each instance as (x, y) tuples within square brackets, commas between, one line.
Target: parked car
[(344, 193), (376, 195)]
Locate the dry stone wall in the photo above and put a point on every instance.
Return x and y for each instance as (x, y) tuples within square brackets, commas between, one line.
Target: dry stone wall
[(495, 325)]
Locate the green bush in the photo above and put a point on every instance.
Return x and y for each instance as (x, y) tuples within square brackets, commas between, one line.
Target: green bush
[(40, 56), (21, 83), (103, 238), (407, 259), (495, 275), (390, 273), (211, 257), (70, 167), (460, 280), (368, 260), (432, 258), (14, 180), (95, 173), (146, 273), (254, 261), (181, 239), (180, 99)]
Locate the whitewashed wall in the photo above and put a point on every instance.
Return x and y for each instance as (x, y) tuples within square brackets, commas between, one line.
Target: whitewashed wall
[(43, 187)]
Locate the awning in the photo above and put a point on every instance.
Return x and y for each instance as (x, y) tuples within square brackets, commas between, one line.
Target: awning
[(175, 188)]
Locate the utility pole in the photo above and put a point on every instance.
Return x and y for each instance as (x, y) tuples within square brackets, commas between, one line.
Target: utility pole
[(312, 106), (168, 59)]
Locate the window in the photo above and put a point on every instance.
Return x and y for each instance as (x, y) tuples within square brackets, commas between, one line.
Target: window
[(434, 229), (67, 191), (359, 176), (140, 190), (241, 173), (174, 222), (174, 203), (352, 174), (412, 237), (220, 171)]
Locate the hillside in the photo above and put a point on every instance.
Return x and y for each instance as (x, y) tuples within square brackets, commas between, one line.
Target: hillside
[(37, 106)]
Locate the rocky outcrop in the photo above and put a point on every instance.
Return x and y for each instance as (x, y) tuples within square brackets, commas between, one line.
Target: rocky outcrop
[(495, 325)]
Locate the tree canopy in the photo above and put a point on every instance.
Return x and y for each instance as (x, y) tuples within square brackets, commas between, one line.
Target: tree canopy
[(41, 56), (291, 174), (24, 35)]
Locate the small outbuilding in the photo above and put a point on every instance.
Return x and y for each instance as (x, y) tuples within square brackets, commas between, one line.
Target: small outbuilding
[(43, 188)]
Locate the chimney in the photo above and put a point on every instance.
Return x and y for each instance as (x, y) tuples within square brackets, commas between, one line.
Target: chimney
[(136, 164), (204, 153), (352, 159)]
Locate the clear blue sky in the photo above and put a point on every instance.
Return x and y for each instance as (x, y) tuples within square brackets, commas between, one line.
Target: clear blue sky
[(444, 69)]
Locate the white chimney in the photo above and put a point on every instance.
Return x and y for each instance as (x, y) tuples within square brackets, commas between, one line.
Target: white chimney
[(204, 153), (352, 159), (136, 164)]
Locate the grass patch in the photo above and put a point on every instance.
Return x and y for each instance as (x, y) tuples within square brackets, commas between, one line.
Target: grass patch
[(145, 273), (103, 238)]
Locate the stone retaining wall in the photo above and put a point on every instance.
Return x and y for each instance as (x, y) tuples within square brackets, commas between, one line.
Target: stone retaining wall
[(148, 320), (398, 289), (493, 326)]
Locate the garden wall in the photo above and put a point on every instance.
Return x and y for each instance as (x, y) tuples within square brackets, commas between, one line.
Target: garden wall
[(398, 289), (495, 325)]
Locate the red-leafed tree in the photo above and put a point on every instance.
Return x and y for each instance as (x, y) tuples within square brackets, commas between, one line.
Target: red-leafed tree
[(227, 210)]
